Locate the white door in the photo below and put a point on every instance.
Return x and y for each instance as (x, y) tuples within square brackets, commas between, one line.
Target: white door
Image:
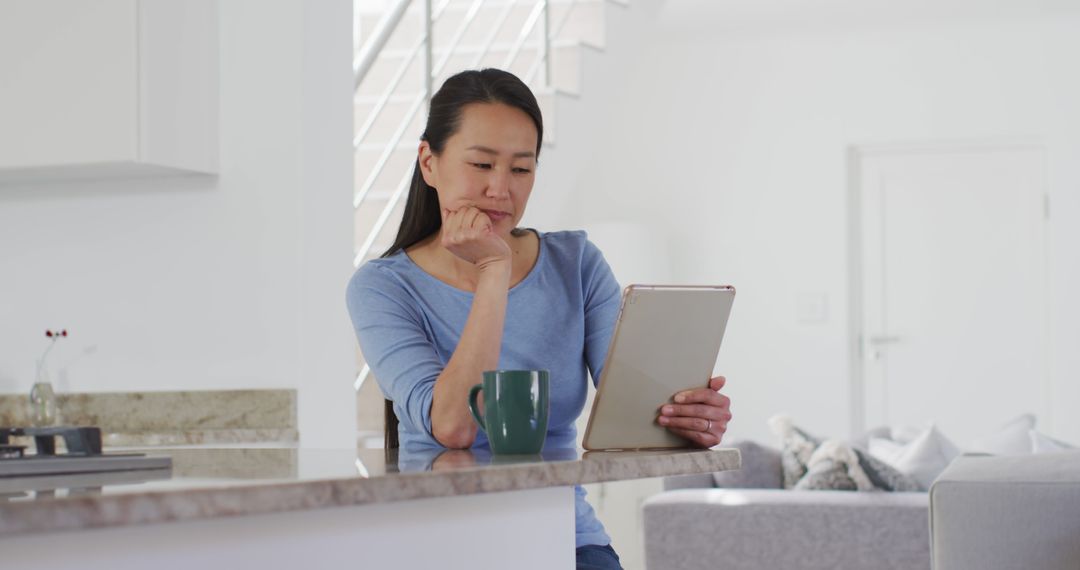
[(953, 282)]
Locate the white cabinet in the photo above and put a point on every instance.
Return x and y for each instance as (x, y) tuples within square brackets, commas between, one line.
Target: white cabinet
[(107, 88)]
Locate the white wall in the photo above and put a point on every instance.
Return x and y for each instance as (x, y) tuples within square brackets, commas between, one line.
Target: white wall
[(726, 127), (208, 283), (728, 133)]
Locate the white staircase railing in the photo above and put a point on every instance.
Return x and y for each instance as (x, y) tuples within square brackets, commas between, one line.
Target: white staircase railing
[(373, 47), (369, 55)]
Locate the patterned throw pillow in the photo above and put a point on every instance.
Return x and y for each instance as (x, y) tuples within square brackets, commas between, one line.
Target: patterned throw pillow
[(796, 447), (834, 466), (884, 476), (810, 463)]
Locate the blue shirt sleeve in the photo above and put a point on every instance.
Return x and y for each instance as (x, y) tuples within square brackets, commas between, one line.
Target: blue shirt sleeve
[(602, 296), (395, 345)]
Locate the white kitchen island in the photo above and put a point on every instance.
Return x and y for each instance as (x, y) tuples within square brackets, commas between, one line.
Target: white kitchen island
[(312, 508)]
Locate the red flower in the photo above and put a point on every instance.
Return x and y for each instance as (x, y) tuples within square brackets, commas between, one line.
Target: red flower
[(63, 332), (48, 334)]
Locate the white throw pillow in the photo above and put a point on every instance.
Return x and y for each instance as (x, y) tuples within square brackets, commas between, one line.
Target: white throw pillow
[(1013, 438), (884, 449), (923, 458), (906, 434), (1041, 443)]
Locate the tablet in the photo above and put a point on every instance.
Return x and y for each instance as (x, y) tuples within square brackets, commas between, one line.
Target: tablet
[(666, 341)]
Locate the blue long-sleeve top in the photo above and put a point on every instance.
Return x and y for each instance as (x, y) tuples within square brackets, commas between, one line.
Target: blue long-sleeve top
[(559, 318)]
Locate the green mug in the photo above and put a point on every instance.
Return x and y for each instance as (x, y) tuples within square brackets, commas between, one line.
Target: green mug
[(515, 410)]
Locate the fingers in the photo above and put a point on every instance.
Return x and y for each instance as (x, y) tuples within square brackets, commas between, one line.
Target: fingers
[(464, 224), (468, 220), (698, 423), (717, 382), (700, 415), (689, 424), (714, 413), (481, 223), (452, 222), (471, 221), (700, 394), (703, 396), (698, 438), (457, 220), (469, 234)]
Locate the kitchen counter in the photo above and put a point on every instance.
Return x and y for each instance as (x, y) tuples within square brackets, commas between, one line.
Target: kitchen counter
[(209, 483)]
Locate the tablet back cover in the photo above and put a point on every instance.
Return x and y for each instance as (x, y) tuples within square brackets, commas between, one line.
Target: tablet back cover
[(666, 340)]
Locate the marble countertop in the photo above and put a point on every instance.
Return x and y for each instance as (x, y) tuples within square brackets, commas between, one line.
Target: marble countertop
[(219, 482)]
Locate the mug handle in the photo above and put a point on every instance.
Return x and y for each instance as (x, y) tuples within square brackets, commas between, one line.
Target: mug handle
[(473, 393)]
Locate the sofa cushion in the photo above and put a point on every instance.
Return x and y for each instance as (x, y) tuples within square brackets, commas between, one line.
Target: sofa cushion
[(923, 459), (1012, 438), (796, 448), (883, 476), (760, 469), (833, 466), (812, 464), (706, 529), (863, 441), (1041, 443), (1007, 512)]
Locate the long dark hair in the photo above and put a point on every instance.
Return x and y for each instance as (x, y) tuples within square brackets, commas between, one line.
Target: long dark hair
[(422, 217)]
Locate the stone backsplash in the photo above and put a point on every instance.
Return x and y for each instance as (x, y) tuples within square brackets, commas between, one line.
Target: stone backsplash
[(171, 418)]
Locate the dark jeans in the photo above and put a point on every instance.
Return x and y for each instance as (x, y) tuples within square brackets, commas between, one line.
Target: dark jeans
[(593, 557)]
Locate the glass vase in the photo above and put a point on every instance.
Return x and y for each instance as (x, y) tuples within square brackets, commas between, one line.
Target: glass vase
[(42, 403)]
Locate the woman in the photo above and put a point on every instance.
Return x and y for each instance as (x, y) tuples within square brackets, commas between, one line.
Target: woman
[(463, 290)]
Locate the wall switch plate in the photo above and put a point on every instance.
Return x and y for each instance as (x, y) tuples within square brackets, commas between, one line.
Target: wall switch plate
[(812, 307)]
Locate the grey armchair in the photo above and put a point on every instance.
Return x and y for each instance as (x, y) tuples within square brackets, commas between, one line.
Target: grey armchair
[(1007, 512)]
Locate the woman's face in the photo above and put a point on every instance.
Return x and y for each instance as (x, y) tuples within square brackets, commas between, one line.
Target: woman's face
[(489, 163)]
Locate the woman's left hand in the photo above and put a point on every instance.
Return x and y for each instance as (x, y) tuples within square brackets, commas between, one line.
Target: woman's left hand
[(700, 416)]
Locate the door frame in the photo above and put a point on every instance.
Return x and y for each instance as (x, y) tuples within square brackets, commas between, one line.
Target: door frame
[(857, 154)]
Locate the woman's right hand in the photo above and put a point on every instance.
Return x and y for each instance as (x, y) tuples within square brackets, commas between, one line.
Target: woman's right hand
[(468, 234)]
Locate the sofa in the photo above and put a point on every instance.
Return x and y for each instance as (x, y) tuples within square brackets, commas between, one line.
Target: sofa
[(746, 520), (1007, 512)]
